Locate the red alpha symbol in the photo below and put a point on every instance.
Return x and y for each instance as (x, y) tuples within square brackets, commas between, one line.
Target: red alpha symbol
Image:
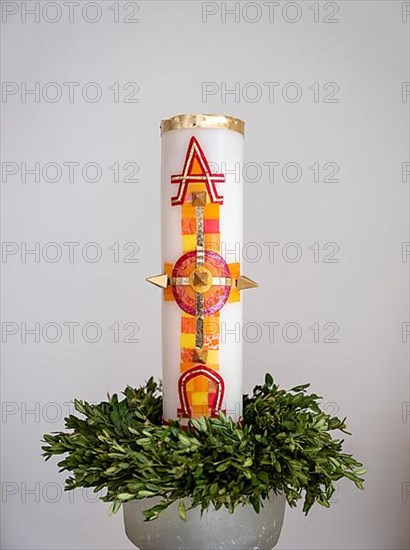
[(195, 152)]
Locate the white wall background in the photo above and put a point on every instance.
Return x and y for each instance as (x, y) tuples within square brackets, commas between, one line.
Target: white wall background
[(169, 53)]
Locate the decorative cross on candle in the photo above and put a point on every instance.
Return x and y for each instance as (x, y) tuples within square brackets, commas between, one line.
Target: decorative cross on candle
[(201, 282)]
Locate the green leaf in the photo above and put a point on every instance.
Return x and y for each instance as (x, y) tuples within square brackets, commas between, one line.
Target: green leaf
[(222, 467), (301, 387), (115, 506), (125, 496), (184, 439), (182, 510), (268, 380)]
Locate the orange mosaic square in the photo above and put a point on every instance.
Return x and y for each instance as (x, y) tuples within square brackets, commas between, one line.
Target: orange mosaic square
[(187, 356), (211, 211), (199, 384), (193, 187), (187, 210), (188, 324), (200, 410), (212, 241), (211, 324), (168, 294), (186, 366), (211, 332), (234, 270), (211, 341), (188, 226)]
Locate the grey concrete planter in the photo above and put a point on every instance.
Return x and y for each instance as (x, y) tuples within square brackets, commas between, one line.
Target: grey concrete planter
[(216, 530)]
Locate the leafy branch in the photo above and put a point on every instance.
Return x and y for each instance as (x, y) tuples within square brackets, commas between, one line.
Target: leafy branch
[(284, 444)]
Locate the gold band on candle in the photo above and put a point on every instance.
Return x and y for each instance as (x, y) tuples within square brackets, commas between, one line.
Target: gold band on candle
[(190, 121)]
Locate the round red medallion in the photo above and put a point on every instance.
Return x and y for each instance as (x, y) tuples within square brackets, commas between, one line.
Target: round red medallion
[(210, 279)]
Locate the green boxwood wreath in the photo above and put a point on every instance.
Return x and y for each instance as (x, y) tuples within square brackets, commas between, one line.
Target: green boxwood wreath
[(284, 443)]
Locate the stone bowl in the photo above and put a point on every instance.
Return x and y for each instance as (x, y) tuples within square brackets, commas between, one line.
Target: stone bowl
[(215, 530)]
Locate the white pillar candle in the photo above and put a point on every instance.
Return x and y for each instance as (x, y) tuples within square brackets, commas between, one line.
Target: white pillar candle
[(202, 225)]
